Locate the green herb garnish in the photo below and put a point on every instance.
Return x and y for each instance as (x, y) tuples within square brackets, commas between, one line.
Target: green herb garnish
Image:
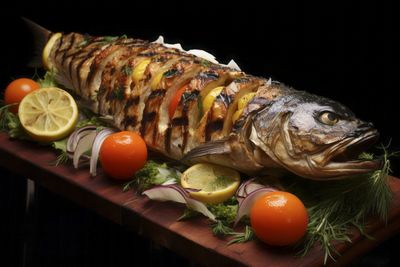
[(246, 236), (153, 174), (49, 79), (219, 183), (334, 207), (110, 39), (61, 147), (221, 229), (9, 122), (118, 93), (126, 70), (205, 63), (170, 73)]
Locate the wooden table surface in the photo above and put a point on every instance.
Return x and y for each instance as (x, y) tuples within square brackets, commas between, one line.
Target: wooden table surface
[(157, 220)]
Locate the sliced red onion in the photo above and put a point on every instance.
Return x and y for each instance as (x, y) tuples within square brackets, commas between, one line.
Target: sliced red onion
[(77, 135), (178, 194), (251, 187), (240, 192), (200, 207), (248, 201), (169, 182), (98, 141), (166, 193), (84, 145)]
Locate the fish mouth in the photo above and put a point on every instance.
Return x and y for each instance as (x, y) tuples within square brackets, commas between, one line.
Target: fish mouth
[(343, 158)]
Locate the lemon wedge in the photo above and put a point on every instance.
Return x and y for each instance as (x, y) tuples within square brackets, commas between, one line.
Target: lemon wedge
[(210, 98), (47, 49), (48, 114), (139, 70), (216, 183)]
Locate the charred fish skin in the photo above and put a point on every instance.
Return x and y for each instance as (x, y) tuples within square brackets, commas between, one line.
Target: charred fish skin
[(275, 128)]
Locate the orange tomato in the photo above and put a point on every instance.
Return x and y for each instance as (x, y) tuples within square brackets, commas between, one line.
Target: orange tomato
[(175, 101), (122, 154), (17, 90), (279, 218)]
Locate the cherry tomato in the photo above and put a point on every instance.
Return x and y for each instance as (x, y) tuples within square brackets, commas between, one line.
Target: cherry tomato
[(122, 154), (279, 218), (17, 90), (175, 101)]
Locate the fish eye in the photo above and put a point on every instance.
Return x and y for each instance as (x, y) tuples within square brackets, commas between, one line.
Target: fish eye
[(328, 118)]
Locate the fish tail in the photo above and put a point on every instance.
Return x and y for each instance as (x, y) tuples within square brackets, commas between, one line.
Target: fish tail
[(40, 38)]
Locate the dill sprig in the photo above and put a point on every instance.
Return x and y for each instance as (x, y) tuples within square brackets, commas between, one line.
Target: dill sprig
[(9, 122), (243, 237), (219, 228), (61, 147), (334, 207), (62, 158)]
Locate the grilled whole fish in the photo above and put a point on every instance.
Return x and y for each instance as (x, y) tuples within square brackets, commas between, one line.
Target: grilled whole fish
[(223, 115)]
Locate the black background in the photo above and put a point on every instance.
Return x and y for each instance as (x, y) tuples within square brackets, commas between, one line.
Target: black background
[(345, 52)]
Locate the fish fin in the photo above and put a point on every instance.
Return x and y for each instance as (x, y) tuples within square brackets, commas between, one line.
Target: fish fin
[(40, 38), (209, 148)]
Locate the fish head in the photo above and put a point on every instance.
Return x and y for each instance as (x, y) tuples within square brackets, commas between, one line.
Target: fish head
[(314, 137)]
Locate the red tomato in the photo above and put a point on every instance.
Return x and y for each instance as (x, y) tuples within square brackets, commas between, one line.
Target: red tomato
[(279, 218), (122, 154), (175, 101), (17, 90)]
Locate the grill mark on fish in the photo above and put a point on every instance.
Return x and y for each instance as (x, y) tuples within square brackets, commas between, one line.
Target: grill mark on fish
[(65, 50), (133, 101), (193, 95), (129, 121), (224, 98), (147, 117), (149, 54), (56, 53), (80, 64), (157, 93), (94, 67), (209, 74), (167, 139), (181, 121), (213, 126)]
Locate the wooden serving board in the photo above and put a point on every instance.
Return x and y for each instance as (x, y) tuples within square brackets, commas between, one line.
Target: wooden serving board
[(158, 220)]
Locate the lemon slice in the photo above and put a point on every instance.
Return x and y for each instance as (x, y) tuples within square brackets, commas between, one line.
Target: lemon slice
[(48, 114), (216, 183), (47, 49)]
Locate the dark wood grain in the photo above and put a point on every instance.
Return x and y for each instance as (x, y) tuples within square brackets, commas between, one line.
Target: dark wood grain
[(157, 220)]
